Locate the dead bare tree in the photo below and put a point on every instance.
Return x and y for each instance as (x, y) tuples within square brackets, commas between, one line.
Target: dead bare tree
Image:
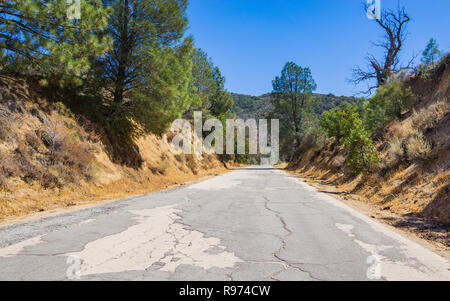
[(394, 24), (53, 136)]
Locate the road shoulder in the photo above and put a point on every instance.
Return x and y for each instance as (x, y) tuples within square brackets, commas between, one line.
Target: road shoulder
[(426, 238)]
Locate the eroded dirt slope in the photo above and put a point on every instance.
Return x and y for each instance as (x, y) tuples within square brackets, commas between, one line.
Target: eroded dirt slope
[(53, 158)]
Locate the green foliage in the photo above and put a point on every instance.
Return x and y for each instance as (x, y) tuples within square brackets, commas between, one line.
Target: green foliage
[(209, 84), (63, 110), (326, 102), (39, 36), (167, 93), (247, 107), (390, 101), (356, 122), (210, 95), (431, 54), (345, 123), (339, 122), (293, 104), (362, 151), (315, 138), (148, 71)]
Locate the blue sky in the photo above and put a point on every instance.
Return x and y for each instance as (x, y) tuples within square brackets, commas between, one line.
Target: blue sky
[(251, 40)]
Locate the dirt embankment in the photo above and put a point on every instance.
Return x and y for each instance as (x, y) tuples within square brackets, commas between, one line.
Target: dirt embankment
[(52, 158), (410, 192)]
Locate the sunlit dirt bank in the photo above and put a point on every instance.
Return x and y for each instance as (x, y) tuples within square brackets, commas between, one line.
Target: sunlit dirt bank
[(53, 158)]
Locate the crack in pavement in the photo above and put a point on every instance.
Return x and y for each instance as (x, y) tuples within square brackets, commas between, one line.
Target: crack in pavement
[(283, 243)]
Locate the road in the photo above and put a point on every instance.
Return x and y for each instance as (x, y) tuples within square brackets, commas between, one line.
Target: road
[(251, 224)]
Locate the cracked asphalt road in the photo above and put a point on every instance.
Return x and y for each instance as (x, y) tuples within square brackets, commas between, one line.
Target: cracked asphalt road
[(251, 224)]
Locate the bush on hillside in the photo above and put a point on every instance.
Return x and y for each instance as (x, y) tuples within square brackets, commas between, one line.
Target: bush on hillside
[(417, 147), (339, 122), (163, 167), (429, 116), (395, 152), (315, 138), (362, 151), (390, 101)]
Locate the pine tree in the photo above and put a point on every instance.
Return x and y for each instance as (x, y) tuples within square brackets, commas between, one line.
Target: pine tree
[(293, 104), (148, 71), (431, 53), (41, 36), (209, 83)]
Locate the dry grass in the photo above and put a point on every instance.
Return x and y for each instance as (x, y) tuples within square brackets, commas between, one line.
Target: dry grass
[(192, 164), (417, 147), (180, 158), (3, 182), (25, 199), (403, 145), (428, 117), (398, 129), (395, 152), (163, 167), (5, 126), (412, 189)]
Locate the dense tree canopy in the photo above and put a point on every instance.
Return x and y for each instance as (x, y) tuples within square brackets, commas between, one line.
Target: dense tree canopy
[(210, 87), (148, 71), (39, 36)]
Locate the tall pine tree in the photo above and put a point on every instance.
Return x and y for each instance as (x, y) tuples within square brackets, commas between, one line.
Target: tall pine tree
[(41, 36), (293, 104), (148, 71), (209, 83)]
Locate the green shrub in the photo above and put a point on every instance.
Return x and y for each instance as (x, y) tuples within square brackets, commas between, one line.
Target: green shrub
[(390, 101), (339, 122), (362, 151), (63, 110), (314, 138)]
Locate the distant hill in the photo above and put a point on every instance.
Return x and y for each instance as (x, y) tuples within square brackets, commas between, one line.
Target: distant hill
[(247, 106)]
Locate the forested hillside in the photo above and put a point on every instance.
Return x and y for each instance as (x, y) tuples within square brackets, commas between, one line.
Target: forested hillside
[(246, 106)]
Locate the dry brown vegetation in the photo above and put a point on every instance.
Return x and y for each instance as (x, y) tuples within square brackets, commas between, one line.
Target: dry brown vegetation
[(52, 158), (412, 179)]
